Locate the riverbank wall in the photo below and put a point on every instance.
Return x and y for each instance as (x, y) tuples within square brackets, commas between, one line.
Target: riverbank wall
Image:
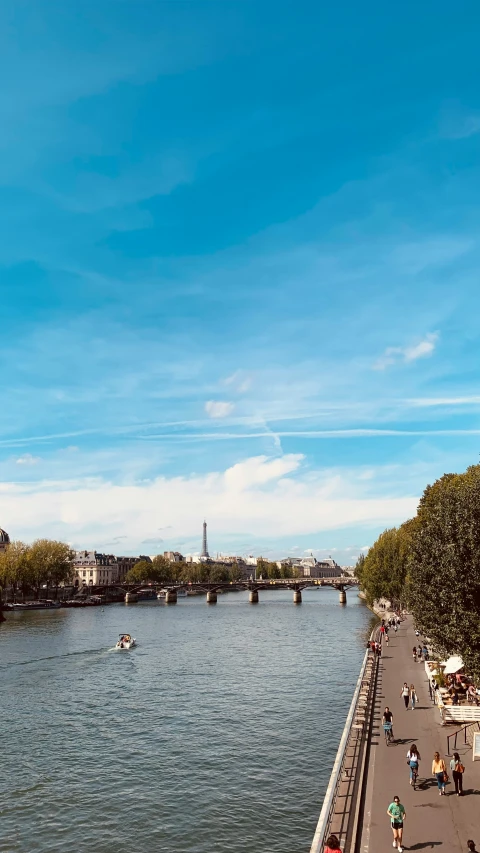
[(342, 806)]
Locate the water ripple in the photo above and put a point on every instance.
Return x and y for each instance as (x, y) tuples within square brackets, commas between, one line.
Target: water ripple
[(216, 734)]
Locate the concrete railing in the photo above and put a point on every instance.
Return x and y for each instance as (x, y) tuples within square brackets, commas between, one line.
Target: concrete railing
[(341, 804)]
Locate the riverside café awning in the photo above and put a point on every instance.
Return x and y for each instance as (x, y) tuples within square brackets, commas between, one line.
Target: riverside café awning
[(453, 664)]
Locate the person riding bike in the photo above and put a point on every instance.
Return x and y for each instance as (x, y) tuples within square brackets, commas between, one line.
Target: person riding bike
[(387, 721), (413, 758)]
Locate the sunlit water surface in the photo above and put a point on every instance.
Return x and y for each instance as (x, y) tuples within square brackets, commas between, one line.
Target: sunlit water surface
[(217, 733)]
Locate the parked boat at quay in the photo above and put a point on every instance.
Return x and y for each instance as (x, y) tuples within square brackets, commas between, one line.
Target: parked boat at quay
[(83, 601), (146, 594), (46, 604)]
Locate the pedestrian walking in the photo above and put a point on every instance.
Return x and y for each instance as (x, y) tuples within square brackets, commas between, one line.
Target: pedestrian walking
[(414, 653), (395, 627), (332, 845), (471, 846), (413, 697), (379, 649), (458, 770), (405, 692), (386, 639), (397, 815), (413, 759), (425, 653), (419, 652), (440, 772)]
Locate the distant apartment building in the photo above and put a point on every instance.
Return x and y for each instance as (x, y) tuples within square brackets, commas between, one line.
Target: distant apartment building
[(322, 569), (173, 556), (93, 568), (310, 567), (124, 564)]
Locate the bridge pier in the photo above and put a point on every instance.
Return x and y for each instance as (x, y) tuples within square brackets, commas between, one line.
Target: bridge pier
[(211, 596), (297, 596), (342, 596), (171, 596), (131, 598), (253, 596)]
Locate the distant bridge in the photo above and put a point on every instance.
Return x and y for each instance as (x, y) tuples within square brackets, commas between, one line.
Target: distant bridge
[(253, 586)]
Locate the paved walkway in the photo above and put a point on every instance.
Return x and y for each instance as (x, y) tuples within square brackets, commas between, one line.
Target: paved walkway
[(431, 821)]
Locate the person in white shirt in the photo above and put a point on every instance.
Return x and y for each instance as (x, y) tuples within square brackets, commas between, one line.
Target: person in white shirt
[(413, 759)]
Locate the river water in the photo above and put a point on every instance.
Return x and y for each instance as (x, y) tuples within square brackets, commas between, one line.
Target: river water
[(217, 733)]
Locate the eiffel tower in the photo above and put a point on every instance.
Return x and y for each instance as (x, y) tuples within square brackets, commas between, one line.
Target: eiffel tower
[(205, 554)]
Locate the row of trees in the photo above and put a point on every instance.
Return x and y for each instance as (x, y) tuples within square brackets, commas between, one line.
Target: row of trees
[(431, 564), (25, 567), (161, 570)]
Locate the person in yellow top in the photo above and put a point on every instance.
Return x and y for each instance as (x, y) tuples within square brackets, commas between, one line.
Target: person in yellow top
[(440, 771)]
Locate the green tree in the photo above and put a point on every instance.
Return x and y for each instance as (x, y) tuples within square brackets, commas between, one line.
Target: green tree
[(383, 572), (359, 567), (218, 574), (50, 562), (235, 573), (161, 568), (141, 572), (14, 567), (194, 572), (444, 574), (267, 569)]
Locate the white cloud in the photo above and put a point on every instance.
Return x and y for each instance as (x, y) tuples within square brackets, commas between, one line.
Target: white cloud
[(259, 470), (407, 354), (218, 408), (27, 459), (260, 496), (239, 381), (474, 400)]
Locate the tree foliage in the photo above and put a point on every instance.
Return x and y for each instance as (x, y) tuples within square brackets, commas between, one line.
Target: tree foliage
[(383, 571), (268, 570), (45, 561), (161, 571), (444, 580)]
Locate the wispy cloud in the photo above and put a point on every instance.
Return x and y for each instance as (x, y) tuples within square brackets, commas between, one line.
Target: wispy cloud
[(430, 402), (260, 496), (409, 354), (27, 459), (239, 381), (218, 408), (456, 122)]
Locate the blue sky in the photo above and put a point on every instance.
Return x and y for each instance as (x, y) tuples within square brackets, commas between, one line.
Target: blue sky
[(239, 270)]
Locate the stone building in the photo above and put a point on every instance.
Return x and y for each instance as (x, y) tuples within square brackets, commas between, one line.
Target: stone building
[(4, 540), (173, 556)]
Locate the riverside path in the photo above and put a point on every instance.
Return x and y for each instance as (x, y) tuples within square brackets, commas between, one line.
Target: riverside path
[(431, 821)]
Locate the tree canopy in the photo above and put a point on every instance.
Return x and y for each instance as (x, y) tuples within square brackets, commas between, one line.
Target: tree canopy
[(432, 564), (444, 581), (45, 561), (383, 571)]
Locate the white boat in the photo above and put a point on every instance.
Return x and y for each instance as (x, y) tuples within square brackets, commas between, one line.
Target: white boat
[(126, 641), (161, 594)]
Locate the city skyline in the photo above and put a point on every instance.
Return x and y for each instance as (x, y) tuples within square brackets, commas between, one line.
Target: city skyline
[(238, 274)]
